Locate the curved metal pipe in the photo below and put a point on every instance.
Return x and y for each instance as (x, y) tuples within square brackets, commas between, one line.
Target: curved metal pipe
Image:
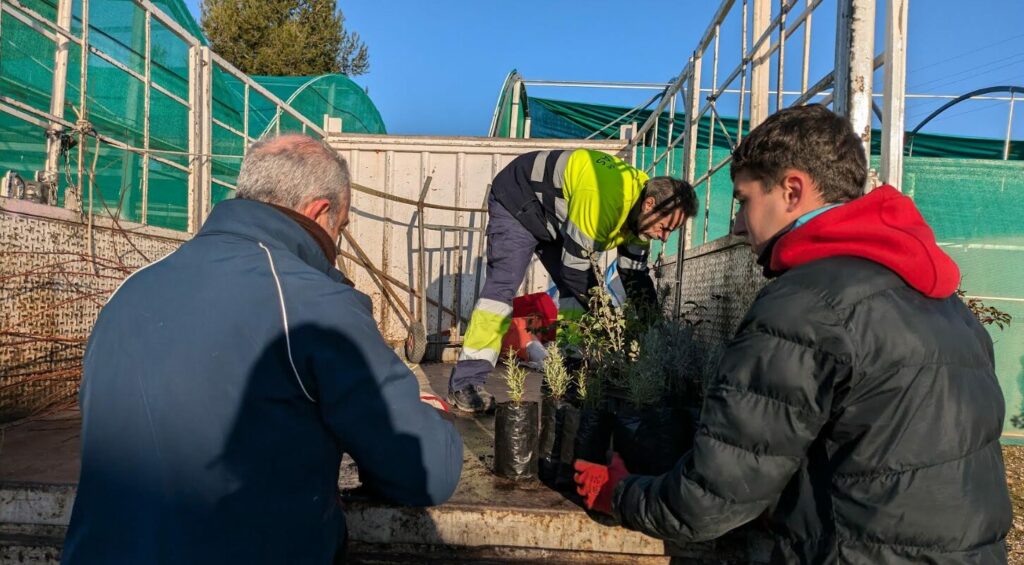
[(959, 99)]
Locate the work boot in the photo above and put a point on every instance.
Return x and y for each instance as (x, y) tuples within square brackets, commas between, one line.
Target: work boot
[(473, 399)]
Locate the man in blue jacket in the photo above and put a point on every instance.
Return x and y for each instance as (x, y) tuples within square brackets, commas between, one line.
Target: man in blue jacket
[(223, 383)]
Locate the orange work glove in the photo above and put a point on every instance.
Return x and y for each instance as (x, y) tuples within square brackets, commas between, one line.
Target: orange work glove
[(596, 483)]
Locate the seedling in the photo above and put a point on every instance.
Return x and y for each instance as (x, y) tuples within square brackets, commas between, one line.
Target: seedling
[(555, 374), (515, 377)]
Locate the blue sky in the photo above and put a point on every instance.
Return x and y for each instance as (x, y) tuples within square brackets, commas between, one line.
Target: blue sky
[(437, 66)]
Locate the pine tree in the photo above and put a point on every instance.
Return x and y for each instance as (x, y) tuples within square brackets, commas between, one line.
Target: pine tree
[(284, 37)]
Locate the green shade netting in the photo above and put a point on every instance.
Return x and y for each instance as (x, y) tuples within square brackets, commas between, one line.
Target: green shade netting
[(115, 104)]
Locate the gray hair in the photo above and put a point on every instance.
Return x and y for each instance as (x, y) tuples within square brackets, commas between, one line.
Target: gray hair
[(293, 170)]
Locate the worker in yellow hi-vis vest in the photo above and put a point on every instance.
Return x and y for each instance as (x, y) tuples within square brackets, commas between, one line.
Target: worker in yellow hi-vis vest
[(563, 206)]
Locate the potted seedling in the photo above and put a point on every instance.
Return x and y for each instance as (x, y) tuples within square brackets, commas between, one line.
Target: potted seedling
[(655, 426), (594, 422), (602, 338), (515, 427), (553, 412)]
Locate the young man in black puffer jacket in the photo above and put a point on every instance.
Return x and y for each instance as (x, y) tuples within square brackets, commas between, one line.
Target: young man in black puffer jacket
[(858, 401)]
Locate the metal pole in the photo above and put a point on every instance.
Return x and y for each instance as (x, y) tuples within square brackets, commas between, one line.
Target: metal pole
[(643, 150), (440, 285), (759, 69), (460, 173), (421, 275), (669, 147), (195, 133), (206, 68), (245, 125), (691, 134), (743, 92), (677, 302), (654, 147), (854, 69), (83, 97), (893, 103), (742, 78), (711, 138), (782, 56), (51, 171), (1009, 128), (807, 47), (146, 107), (481, 251), (513, 124)]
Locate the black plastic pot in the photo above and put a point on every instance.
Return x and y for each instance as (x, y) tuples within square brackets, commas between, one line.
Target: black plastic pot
[(593, 435), (567, 447), (651, 440), (515, 440), (552, 418)]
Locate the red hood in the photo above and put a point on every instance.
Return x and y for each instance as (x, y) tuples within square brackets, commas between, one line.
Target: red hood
[(883, 226)]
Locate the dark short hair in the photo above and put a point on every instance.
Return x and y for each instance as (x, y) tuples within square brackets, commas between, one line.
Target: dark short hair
[(811, 139), (671, 194)]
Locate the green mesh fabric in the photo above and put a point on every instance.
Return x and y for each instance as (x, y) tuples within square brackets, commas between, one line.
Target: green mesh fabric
[(115, 102), (336, 95)]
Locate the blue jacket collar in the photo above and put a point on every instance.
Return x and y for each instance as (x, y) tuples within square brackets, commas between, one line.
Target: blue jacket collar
[(260, 222)]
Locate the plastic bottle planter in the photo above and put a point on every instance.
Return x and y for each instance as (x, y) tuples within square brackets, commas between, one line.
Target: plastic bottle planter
[(515, 440), (552, 424), (651, 440)]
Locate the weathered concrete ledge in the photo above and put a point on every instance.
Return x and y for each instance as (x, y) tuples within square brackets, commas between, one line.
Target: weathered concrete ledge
[(487, 520)]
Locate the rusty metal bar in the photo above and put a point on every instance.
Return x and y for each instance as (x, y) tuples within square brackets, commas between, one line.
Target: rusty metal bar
[(855, 45), (389, 278), (389, 293)]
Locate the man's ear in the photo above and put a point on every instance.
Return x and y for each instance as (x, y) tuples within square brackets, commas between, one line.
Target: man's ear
[(796, 189), (647, 205), (316, 208)]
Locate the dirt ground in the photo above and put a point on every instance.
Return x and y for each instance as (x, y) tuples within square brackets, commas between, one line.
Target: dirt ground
[(1013, 455)]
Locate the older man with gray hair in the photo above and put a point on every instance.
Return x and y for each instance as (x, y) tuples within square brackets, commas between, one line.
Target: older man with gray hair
[(223, 383)]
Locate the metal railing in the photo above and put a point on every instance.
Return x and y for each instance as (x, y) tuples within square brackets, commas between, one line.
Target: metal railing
[(763, 41), (199, 104), (756, 83)]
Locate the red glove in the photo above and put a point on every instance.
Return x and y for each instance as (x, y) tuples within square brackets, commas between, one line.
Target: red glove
[(596, 483)]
